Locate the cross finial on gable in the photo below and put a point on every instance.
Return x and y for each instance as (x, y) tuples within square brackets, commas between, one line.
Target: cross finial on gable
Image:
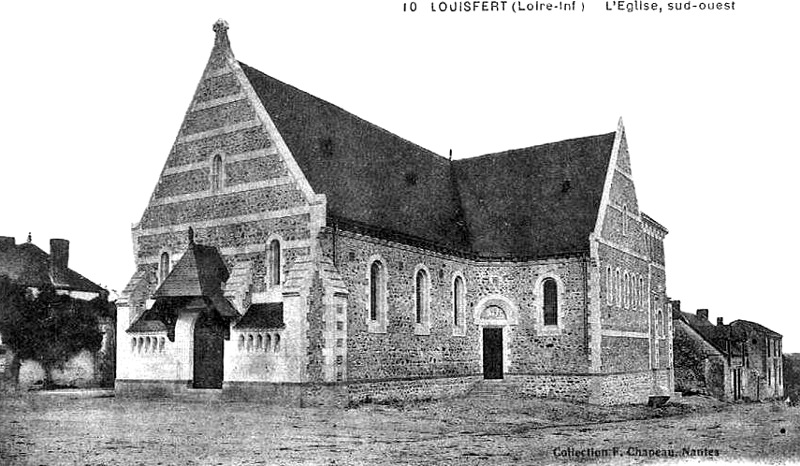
[(221, 30), (29, 236)]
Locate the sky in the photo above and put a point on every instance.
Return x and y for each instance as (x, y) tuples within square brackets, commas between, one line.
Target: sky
[(94, 94)]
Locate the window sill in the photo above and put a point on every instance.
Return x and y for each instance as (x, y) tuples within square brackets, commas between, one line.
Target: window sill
[(422, 329)]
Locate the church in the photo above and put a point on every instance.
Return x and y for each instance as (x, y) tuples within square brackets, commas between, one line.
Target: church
[(294, 253)]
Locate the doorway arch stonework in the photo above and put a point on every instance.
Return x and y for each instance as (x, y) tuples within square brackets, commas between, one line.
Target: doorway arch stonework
[(495, 315)]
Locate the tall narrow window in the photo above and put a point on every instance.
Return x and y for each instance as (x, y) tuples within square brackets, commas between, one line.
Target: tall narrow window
[(618, 288), (625, 219), (609, 286), (550, 291), (626, 290), (275, 262), (421, 296), (163, 268), (458, 291), (642, 294), (374, 289), (216, 173)]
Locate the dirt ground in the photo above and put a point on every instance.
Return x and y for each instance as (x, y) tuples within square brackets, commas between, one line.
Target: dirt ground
[(49, 430)]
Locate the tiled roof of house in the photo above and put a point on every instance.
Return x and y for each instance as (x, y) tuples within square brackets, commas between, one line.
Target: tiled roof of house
[(717, 335), (754, 326), (28, 265), (537, 201)]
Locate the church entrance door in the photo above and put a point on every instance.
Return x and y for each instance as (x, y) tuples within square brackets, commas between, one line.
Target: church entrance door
[(209, 336), (492, 353)]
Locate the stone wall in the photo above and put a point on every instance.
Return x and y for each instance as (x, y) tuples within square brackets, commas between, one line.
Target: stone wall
[(402, 352)]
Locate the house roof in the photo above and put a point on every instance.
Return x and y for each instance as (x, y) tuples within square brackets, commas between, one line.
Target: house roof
[(28, 265), (716, 335), (266, 315), (536, 201), (756, 327)]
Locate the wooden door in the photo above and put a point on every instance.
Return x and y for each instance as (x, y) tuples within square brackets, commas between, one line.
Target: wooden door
[(493, 353), (209, 339)]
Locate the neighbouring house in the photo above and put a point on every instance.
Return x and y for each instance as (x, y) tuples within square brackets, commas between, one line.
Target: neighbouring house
[(738, 361), (293, 252), (28, 265)]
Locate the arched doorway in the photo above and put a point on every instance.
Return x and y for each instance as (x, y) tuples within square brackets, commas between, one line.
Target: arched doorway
[(209, 339), (494, 315)]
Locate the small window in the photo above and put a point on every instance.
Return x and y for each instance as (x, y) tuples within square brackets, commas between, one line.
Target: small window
[(217, 173), (375, 292), (376, 295), (163, 267), (626, 290), (458, 300), (550, 291), (274, 262), (421, 292), (625, 220)]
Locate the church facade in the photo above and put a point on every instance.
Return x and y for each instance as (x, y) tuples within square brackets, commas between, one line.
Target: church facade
[(292, 251)]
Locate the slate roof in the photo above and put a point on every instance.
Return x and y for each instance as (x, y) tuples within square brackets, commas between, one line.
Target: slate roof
[(536, 201), (28, 265), (267, 315), (716, 335), (199, 273), (757, 327)]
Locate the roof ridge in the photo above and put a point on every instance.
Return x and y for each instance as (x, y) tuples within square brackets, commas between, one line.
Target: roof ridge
[(535, 146), (350, 114)]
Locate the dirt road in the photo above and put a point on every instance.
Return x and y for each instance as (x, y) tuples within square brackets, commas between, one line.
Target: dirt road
[(44, 430)]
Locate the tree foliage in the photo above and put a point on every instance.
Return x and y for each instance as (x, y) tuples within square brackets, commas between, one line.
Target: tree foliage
[(46, 326)]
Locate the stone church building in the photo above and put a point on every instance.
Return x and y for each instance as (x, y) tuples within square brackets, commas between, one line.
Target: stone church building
[(294, 252)]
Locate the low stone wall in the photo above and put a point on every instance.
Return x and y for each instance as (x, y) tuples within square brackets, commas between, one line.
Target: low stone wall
[(410, 389), (615, 389), (565, 387)]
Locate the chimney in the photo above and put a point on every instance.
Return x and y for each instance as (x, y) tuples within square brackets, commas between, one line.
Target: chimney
[(59, 260), (676, 305), (702, 313), (7, 243), (719, 322)]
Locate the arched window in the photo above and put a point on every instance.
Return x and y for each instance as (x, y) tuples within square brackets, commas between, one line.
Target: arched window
[(618, 288), (609, 286), (625, 219), (550, 291), (163, 267), (458, 300), (642, 294), (421, 294), (275, 262), (217, 172), (375, 289), (626, 290), (660, 324)]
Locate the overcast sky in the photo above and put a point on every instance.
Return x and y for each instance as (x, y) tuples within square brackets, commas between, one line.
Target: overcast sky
[(94, 94)]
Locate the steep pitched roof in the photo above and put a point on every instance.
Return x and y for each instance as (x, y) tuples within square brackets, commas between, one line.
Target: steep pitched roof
[(28, 265), (536, 201), (200, 272), (368, 174)]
